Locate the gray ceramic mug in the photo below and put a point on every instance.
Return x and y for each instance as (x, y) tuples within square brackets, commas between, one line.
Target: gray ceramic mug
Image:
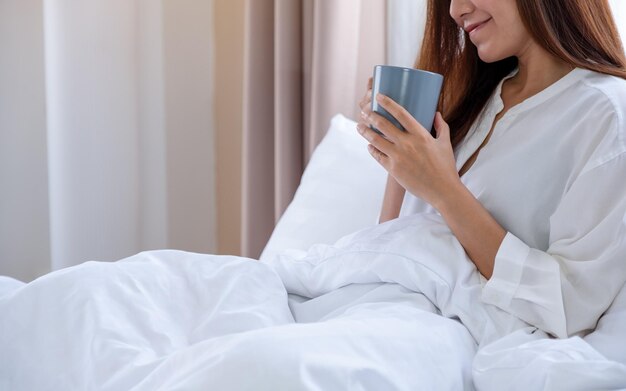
[(415, 90)]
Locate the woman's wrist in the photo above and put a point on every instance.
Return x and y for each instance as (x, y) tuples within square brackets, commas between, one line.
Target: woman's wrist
[(477, 231), (392, 200), (451, 196)]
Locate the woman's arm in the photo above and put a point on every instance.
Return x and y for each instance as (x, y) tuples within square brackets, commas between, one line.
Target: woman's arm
[(392, 201), (479, 233), (562, 290), (426, 167)]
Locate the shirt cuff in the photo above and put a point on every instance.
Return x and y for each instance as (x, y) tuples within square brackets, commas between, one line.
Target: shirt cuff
[(507, 272)]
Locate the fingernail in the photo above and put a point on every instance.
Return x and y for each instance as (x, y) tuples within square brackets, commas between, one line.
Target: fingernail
[(359, 128), (363, 115)]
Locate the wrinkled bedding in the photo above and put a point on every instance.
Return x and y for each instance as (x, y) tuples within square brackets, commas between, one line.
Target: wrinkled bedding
[(396, 306)]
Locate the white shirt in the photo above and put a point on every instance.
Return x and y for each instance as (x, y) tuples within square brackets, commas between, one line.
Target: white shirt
[(553, 175)]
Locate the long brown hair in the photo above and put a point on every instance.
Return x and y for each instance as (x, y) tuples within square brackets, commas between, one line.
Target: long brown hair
[(580, 32)]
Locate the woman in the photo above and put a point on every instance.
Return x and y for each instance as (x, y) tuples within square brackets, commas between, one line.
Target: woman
[(528, 168)]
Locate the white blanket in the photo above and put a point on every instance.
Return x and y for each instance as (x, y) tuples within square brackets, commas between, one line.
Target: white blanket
[(365, 313)]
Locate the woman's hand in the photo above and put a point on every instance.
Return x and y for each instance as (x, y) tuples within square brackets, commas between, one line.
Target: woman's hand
[(366, 103), (394, 192), (423, 165)]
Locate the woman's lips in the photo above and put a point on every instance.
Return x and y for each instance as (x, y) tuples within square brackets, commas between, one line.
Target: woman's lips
[(475, 27)]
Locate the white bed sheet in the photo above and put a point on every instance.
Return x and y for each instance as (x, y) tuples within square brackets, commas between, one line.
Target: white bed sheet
[(363, 313), (173, 320)]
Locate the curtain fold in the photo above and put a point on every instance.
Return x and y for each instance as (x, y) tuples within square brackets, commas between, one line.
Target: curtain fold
[(91, 98), (406, 20), (304, 62), (24, 221), (120, 157), (619, 13)]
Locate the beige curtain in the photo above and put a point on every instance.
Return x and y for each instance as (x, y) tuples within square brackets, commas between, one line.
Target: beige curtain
[(106, 131), (305, 61)]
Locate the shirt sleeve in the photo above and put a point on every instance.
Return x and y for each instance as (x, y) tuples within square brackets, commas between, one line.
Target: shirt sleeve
[(564, 290)]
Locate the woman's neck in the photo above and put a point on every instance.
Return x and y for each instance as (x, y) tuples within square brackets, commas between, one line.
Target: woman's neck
[(537, 70)]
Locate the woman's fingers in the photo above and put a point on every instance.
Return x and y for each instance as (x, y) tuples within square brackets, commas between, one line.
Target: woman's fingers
[(366, 101), (381, 143), (365, 112), (362, 118), (401, 115), (441, 127), (382, 124), (379, 156)]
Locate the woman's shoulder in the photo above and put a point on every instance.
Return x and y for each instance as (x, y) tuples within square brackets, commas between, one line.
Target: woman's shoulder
[(607, 88), (603, 97)]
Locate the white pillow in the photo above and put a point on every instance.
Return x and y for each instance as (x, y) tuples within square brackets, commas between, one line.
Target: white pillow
[(341, 191)]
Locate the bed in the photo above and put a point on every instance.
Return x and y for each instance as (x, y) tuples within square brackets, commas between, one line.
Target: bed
[(336, 302)]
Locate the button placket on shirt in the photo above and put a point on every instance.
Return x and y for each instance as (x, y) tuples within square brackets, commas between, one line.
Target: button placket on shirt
[(478, 136)]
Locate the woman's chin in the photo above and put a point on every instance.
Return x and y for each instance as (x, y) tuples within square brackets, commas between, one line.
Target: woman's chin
[(489, 57)]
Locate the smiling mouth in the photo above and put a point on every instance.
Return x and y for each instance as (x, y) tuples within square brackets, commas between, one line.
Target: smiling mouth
[(473, 28)]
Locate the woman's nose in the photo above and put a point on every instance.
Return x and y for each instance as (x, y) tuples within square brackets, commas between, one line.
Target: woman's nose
[(460, 8)]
